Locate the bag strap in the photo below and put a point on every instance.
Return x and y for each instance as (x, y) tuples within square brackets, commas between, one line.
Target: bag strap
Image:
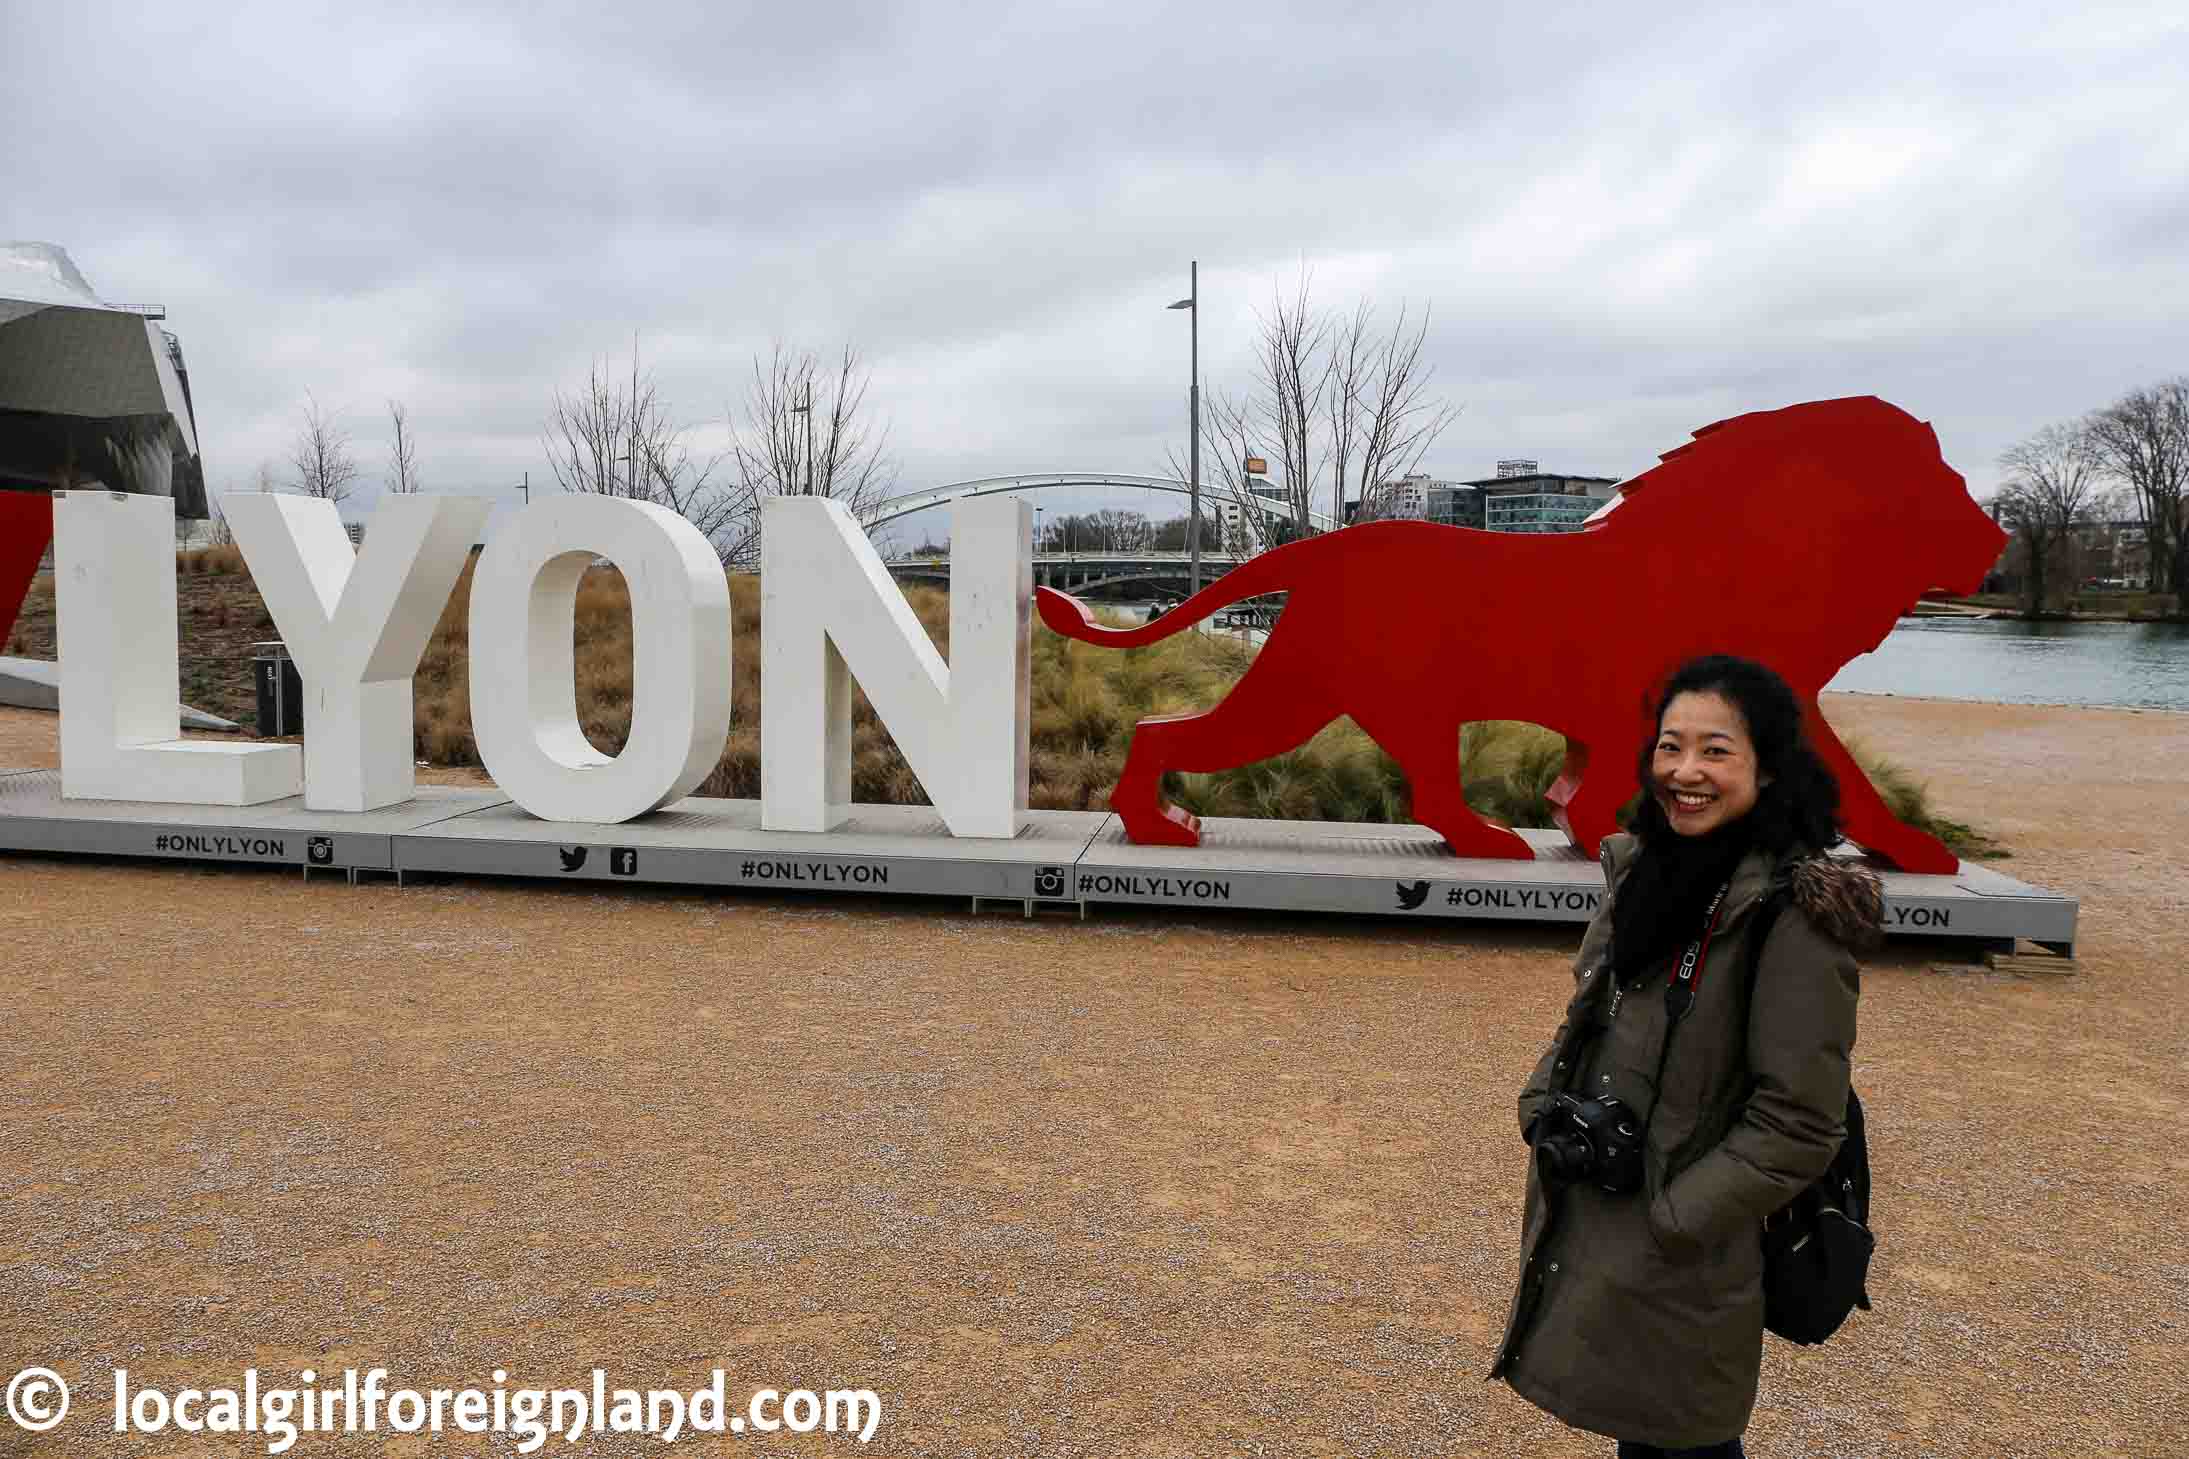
[(1767, 916), (1767, 913)]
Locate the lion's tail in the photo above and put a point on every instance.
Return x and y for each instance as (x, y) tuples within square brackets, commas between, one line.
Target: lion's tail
[(1267, 573)]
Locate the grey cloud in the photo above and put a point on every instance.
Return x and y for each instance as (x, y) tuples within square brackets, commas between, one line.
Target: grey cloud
[(1625, 222)]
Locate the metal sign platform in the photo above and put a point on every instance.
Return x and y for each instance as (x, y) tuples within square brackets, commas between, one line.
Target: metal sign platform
[(34, 817), (719, 843), (1070, 857)]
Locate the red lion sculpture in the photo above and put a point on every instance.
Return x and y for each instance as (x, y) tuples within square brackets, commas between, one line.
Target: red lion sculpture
[(26, 526), (1795, 537)]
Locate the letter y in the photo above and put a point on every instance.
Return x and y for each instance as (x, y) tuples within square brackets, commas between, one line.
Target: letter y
[(356, 623)]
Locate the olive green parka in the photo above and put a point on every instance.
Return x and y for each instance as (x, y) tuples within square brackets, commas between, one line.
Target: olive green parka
[(1640, 1315)]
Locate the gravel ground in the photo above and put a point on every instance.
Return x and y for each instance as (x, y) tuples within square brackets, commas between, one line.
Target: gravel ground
[(1147, 1185)]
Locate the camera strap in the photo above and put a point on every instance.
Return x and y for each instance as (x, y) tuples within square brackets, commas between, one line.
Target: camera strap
[(1680, 985)]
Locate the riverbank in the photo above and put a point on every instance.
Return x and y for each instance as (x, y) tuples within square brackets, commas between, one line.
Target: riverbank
[(1150, 1184), (2004, 616), (2083, 608), (1979, 704)]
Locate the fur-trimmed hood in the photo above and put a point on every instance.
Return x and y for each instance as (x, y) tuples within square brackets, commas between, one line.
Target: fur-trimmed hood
[(1841, 897)]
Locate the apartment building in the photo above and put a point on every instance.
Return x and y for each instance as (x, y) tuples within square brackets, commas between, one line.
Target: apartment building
[(1521, 497)]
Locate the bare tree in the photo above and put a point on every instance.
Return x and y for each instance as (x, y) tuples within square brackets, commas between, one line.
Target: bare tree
[(2051, 489), (1351, 365), (1293, 357), (804, 429), (403, 456), (321, 457), (1107, 530), (1389, 420), (1247, 521), (2142, 439), (616, 438), (586, 436), (1342, 401), (217, 531), (1170, 535), (2099, 544), (1122, 531)]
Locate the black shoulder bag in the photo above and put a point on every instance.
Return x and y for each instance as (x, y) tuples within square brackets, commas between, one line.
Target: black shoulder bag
[(1817, 1247)]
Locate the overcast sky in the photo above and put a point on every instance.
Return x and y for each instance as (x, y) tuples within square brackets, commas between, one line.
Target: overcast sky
[(1626, 221)]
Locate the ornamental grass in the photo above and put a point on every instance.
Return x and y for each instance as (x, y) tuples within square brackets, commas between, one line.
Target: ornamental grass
[(1085, 701)]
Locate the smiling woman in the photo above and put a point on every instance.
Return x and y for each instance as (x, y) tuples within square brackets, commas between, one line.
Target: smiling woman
[(1640, 1308)]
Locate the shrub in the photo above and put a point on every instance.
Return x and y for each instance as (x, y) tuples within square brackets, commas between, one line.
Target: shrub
[(1084, 703), (225, 560), (1910, 800)]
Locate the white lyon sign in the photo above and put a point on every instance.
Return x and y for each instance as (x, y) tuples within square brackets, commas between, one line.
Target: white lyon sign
[(357, 622), (524, 712), (829, 613), (121, 681)]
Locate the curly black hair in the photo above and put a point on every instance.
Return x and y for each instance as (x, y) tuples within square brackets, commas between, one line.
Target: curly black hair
[(1797, 807)]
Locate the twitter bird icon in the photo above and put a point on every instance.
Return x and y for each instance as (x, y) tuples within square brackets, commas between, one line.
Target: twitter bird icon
[(573, 857), (1412, 894)]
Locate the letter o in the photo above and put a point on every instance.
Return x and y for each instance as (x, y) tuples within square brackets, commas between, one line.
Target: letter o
[(802, 1411), (524, 594), (148, 1410), (406, 1410)]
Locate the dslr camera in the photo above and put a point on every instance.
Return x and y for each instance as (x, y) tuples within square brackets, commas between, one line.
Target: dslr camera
[(1595, 1140)]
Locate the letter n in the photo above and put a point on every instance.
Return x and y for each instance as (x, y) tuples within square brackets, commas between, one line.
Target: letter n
[(829, 612)]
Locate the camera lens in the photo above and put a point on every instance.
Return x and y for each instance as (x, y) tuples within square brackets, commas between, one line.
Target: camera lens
[(1564, 1157)]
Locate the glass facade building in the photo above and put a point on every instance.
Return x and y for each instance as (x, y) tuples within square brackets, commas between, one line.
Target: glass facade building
[(1539, 511), (1515, 500), (1521, 499), (1456, 506)]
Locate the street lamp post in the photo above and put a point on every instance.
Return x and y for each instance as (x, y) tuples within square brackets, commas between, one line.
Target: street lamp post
[(1192, 303), (805, 408)]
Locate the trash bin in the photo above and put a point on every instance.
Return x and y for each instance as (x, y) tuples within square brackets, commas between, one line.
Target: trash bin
[(280, 690)]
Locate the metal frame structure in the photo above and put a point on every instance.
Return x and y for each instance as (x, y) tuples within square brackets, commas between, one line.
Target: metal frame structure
[(919, 501)]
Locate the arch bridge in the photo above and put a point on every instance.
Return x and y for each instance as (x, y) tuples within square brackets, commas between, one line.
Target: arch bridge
[(1166, 577), (1090, 572), (936, 496)]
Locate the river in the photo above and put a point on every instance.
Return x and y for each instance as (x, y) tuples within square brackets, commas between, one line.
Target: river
[(2132, 665), (2003, 661)]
